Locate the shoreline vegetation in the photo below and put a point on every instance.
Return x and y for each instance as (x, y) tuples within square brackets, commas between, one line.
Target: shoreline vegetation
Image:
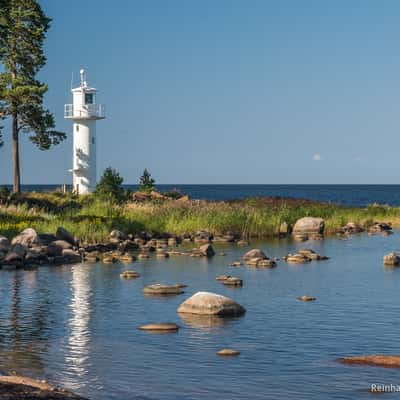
[(91, 218)]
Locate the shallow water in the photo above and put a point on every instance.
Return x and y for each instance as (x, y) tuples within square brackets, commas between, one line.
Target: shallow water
[(77, 326)]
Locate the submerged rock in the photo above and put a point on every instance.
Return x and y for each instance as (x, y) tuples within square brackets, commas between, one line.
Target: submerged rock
[(160, 327), (235, 264), (307, 298), (129, 274), (379, 360), (159, 289), (228, 352), (206, 303), (296, 259), (232, 281)]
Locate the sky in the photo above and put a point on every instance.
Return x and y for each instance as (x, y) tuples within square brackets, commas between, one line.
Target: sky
[(227, 91)]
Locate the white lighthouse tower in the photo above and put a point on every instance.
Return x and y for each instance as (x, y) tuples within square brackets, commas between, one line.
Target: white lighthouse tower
[(84, 113)]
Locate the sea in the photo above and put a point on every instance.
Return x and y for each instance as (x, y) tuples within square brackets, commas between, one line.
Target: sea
[(349, 195)]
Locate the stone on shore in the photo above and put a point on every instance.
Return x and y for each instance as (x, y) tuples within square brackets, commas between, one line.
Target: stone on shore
[(307, 227), (391, 259), (4, 244), (16, 255), (63, 234), (117, 236), (27, 238), (380, 360), (352, 228), (206, 303), (159, 289), (380, 227)]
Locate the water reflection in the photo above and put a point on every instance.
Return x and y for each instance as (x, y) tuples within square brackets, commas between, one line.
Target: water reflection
[(204, 322), (77, 349)]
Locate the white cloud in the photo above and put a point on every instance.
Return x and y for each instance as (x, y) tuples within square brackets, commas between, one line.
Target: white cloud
[(317, 157)]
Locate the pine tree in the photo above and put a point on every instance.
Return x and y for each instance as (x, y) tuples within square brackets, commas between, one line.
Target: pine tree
[(146, 183), (110, 186), (23, 27)]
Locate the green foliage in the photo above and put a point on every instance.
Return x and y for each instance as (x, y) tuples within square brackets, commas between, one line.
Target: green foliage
[(146, 182), (173, 194), (23, 27), (110, 186), (91, 217)]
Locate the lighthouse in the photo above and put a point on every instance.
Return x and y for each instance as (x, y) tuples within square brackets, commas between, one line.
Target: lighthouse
[(84, 112)]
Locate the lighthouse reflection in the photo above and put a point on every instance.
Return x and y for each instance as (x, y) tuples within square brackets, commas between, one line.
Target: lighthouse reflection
[(77, 349)]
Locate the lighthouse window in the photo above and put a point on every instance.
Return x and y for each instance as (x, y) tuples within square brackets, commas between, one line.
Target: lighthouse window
[(92, 140), (77, 127), (88, 98)]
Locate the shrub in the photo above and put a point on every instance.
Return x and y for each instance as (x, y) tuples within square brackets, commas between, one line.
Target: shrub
[(110, 186)]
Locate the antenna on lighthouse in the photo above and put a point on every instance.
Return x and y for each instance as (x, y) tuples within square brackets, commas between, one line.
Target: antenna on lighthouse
[(83, 77)]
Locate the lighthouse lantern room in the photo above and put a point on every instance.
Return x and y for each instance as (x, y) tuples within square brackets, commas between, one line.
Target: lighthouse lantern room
[(84, 112)]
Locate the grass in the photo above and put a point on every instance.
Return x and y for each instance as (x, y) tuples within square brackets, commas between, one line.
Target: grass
[(91, 219)]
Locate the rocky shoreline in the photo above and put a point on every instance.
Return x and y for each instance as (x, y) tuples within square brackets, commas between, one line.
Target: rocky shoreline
[(15, 387), (30, 249)]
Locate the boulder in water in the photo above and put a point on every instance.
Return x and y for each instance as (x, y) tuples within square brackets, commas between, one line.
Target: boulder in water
[(206, 303)]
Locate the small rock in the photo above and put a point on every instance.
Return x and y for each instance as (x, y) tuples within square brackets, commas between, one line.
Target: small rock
[(160, 327), (129, 274), (207, 250), (159, 289), (232, 281), (235, 264), (391, 259), (228, 352), (307, 298), (143, 256)]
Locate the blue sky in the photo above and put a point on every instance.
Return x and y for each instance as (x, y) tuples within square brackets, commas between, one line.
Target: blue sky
[(225, 91)]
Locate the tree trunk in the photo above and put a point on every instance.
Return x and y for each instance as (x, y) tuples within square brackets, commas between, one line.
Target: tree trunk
[(15, 152)]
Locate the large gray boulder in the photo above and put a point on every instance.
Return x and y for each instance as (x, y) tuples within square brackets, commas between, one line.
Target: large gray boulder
[(16, 255), (309, 226), (206, 303), (27, 238)]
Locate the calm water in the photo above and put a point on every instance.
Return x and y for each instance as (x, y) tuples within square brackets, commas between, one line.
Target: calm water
[(77, 326), (352, 195)]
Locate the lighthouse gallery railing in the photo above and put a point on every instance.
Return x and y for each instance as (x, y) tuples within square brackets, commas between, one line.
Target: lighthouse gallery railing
[(85, 111)]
